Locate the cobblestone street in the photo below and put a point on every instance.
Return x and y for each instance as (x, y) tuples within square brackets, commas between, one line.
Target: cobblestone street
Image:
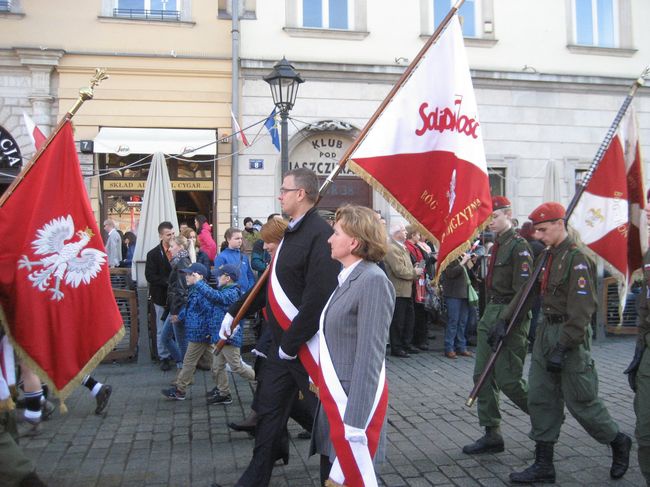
[(146, 440)]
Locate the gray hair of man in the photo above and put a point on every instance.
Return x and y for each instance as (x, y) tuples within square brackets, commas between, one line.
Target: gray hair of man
[(396, 226)]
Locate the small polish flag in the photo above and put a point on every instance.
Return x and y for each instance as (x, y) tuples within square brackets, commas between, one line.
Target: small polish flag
[(241, 136), (38, 138)]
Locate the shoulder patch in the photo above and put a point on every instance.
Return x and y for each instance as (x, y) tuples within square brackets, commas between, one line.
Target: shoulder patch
[(525, 267), (524, 253), (580, 266), (582, 282)]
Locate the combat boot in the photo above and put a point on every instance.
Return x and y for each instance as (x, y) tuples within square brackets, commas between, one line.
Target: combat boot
[(621, 447), (542, 471), (490, 442)]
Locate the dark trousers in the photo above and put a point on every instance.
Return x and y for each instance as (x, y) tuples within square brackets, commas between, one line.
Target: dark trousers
[(401, 328), (325, 469), (420, 328), (281, 381)]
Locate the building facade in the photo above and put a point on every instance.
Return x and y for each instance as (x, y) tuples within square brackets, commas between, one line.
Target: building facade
[(169, 90), (549, 78)]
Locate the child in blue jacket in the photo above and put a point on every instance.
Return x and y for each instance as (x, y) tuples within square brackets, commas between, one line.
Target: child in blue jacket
[(202, 316)]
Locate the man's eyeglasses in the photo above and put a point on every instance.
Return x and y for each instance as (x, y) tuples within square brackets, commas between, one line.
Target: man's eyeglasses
[(288, 190)]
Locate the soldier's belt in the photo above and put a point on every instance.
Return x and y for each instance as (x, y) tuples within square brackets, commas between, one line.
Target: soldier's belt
[(500, 299), (555, 319)]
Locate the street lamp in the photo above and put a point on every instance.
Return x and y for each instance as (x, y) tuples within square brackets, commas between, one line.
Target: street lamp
[(284, 82)]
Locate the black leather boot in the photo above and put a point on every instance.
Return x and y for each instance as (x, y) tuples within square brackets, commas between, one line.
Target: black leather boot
[(247, 425), (490, 442), (620, 455), (542, 471)]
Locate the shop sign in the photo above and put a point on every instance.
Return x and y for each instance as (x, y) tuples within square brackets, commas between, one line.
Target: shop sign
[(139, 185), (321, 153), (11, 156)]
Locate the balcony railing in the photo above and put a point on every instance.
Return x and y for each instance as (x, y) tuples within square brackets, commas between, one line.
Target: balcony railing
[(5, 5), (135, 13)]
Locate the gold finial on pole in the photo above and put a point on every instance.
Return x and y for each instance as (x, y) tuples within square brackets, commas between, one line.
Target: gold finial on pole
[(88, 92)]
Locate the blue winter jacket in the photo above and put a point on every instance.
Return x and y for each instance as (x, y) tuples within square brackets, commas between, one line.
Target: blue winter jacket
[(205, 310), (235, 257)]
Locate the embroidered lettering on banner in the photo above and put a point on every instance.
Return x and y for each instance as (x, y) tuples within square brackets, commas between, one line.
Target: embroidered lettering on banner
[(442, 119)]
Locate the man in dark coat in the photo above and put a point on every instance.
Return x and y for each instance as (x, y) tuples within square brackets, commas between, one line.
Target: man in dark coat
[(307, 275), (156, 272)]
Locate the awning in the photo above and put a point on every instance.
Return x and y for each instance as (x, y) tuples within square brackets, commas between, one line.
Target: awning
[(125, 141)]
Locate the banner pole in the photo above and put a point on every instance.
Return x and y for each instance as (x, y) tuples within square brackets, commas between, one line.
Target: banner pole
[(84, 94), (544, 257)]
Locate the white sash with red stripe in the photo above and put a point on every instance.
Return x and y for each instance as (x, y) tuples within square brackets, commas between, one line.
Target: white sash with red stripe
[(353, 465)]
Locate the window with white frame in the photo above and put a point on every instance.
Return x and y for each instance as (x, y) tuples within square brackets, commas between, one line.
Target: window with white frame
[(148, 9), (497, 178), (326, 14), (469, 14), (596, 22)]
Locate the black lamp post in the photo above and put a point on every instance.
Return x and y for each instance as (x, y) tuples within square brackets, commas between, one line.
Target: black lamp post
[(284, 81)]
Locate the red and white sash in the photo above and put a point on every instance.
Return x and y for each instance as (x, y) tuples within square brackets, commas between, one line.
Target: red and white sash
[(353, 465)]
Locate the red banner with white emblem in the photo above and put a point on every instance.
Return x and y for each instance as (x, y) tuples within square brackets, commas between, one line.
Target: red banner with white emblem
[(424, 153), (57, 302)]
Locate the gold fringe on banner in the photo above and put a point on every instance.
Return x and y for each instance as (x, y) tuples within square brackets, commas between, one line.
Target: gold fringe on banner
[(377, 186), (75, 382), (331, 483)]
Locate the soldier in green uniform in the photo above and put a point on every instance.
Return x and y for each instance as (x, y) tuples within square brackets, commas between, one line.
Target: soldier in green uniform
[(562, 370), (509, 268), (639, 373)]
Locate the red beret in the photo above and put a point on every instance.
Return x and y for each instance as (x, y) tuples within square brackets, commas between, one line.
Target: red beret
[(547, 212), (500, 202)]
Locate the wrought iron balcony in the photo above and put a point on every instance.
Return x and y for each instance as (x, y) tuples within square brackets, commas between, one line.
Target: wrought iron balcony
[(136, 13)]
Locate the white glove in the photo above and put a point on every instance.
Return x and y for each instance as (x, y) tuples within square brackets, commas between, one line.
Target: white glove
[(226, 323), (284, 356), (355, 435)]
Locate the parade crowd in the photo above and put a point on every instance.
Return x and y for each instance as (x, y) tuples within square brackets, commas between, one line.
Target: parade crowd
[(342, 290)]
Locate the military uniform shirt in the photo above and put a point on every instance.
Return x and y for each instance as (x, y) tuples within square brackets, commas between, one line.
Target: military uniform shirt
[(643, 302), (570, 291), (513, 265)]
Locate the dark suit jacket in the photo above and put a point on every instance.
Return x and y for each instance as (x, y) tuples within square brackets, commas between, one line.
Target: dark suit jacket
[(454, 282), (156, 271)]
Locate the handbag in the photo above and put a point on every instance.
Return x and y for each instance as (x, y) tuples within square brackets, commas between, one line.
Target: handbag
[(472, 295)]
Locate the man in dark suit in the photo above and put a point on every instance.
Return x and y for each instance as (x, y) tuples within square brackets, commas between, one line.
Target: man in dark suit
[(307, 276), (156, 272)]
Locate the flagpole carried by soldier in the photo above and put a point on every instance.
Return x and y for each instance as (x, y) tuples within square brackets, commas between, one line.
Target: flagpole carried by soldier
[(509, 268)]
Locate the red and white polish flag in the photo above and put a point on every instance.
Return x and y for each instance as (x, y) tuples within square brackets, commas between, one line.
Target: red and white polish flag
[(37, 136), (609, 215), (241, 136), (425, 153)]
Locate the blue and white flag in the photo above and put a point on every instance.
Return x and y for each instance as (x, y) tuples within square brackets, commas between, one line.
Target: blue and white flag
[(272, 127)]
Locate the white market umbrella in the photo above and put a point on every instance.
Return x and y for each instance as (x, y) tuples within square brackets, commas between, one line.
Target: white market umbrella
[(157, 206), (552, 181)]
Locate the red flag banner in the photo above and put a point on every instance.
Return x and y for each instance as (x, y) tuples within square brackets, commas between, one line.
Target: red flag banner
[(57, 303), (425, 154), (610, 216), (35, 133)]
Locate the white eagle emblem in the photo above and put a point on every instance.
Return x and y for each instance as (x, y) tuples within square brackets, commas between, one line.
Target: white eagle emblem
[(451, 194), (68, 262)]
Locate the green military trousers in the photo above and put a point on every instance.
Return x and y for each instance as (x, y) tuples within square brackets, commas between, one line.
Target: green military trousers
[(642, 410), (14, 465), (576, 386), (507, 373)]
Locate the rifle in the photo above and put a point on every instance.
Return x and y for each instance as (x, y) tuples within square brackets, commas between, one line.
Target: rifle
[(514, 319)]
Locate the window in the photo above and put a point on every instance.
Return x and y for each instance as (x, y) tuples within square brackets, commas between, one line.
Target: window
[(468, 13), (5, 5), (327, 14), (148, 9), (497, 177), (596, 22)]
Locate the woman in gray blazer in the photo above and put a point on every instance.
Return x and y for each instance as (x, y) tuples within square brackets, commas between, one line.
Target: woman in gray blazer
[(352, 342)]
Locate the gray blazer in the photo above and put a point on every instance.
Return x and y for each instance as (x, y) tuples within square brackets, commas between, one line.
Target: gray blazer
[(356, 332)]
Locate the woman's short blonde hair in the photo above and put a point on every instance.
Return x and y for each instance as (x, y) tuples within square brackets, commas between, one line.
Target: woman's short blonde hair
[(273, 230), (181, 242), (361, 223)]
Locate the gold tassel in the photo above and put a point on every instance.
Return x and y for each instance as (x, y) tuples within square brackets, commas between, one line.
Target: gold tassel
[(331, 483), (7, 405), (63, 409), (314, 389)]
